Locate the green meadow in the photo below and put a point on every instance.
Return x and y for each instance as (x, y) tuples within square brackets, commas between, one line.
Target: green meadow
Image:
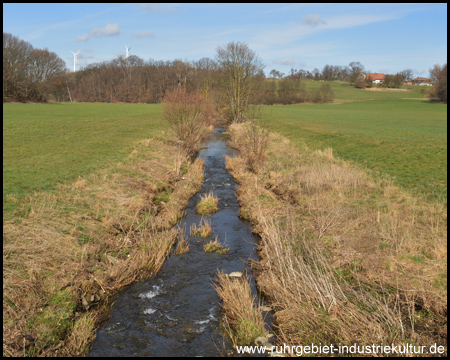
[(400, 134), (44, 144)]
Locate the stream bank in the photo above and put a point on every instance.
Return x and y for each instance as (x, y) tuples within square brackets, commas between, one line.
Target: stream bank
[(177, 312)]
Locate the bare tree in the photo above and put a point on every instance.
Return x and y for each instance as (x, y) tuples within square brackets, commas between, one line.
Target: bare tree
[(356, 70), (276, 74), (239, 66), (438, 74), (407, 74), (28, 73), (441, 86), (434, 73), (16, 54), (188, 116), (394, 81)]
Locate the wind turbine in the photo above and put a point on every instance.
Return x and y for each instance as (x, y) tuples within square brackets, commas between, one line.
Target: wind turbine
[(74, 58), (127, 51)]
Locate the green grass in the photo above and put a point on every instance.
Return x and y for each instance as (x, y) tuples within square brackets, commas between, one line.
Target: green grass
[(395, 133), (215, 246), (207, 205), (44, 144)]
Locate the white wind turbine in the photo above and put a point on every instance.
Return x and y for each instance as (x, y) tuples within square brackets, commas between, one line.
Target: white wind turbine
[(74, 58), (128, 49)]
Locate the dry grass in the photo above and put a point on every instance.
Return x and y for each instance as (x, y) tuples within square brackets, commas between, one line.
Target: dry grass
[(203, 230), (242, 318), (215, 246), (208, 204), (183, 245), (344, 258), (252, 142), (74, 248)]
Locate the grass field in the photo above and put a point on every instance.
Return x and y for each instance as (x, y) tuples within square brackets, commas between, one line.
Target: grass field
[(97, 225), (344, 258), (44, 144), (57, 253), (395, 133)]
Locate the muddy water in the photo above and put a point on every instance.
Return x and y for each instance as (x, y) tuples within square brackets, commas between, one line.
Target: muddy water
[(177, 312)]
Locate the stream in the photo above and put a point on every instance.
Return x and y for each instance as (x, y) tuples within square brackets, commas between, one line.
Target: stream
[(177, 311)]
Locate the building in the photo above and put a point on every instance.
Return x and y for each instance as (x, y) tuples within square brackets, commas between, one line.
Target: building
[(376, 78), (422, 81)]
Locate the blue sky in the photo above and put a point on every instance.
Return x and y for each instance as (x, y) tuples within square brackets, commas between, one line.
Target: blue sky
[(384, 37)]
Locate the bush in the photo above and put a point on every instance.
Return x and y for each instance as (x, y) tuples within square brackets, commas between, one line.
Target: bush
[(188, 116), (360, 84), (256, 141), (322, 95), (290, 91), (393, 81), (441, 86), (327, 93)]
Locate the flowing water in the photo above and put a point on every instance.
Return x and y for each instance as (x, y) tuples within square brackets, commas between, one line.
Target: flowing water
[(177, 312)]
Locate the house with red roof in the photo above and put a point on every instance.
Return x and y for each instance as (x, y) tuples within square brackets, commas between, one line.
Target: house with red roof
[(376, 78)]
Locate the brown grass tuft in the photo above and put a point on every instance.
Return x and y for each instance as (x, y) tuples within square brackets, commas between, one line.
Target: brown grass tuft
[(242, 318), (215, 246), (183, 245), (204, 230), (344, 258), (208, 204)]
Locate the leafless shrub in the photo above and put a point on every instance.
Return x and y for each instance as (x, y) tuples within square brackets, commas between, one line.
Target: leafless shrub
[(254, 112), (188, 115), (255, 139)]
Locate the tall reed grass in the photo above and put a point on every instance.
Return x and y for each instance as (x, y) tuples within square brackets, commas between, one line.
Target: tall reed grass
[(344, 258)]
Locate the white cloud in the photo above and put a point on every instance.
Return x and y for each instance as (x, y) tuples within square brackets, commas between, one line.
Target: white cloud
[(312, 20), (144, 34), (108, 30), (295, 31), (82, 38)]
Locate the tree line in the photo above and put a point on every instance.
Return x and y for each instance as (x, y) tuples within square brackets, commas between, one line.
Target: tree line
[(31, 74)]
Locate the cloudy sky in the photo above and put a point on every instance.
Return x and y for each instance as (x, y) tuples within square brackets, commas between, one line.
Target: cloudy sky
[(383, 37)]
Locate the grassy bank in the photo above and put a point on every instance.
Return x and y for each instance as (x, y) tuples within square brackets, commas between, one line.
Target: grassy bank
[(72, 244), (403, 138), (44, 144), (345, 258)]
